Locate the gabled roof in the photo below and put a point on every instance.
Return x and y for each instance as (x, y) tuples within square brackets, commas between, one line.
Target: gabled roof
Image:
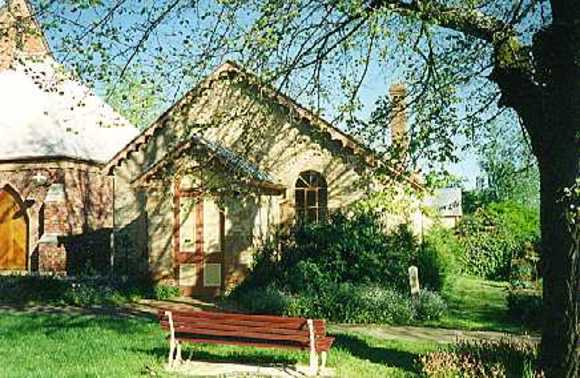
[(47, 113), (229, 69), (245, 170), (297, 111)]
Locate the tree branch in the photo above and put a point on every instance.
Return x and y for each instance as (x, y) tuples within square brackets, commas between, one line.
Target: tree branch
[(462, 19)]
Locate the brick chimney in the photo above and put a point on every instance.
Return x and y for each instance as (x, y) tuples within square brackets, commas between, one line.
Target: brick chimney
[(19, 32), (398, 124)]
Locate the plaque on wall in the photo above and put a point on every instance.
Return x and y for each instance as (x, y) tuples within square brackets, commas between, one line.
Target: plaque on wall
[(212, 275), (55, 193)]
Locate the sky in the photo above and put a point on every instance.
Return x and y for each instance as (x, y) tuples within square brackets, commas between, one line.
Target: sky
[(377, 84)]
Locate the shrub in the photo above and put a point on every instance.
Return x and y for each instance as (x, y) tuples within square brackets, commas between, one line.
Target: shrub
[(344, 249), (268, 300), (492, 237), (63, 290), (343, 303), (429, 306), (436, 258), (525, 306), (23, 289), (163, 292), (508, 357), (350, 303)]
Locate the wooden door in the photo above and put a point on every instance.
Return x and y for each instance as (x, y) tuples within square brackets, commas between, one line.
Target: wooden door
[(198, 255), (13, 232)]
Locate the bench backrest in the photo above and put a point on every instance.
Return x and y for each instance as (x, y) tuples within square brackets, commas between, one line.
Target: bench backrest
[(292, 331)]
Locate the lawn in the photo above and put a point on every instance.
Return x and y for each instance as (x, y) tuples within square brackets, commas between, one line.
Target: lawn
[(477, 304), (72, 345), (46, 345)]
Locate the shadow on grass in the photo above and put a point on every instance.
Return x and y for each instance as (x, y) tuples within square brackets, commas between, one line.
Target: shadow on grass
[(230, 355), (392, 357), (350, 344), (51, 323)]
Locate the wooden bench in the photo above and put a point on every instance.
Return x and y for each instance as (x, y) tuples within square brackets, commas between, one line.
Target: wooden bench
[(239, 329)]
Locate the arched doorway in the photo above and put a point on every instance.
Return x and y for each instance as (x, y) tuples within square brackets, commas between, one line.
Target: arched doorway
[(13, 231)]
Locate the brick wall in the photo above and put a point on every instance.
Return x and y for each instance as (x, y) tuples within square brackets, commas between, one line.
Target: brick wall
[(83, 207), (19, 31)]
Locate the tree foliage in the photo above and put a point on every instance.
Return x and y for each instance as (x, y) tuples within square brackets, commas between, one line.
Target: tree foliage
[(465, 63), (511, 169), (135, 98)]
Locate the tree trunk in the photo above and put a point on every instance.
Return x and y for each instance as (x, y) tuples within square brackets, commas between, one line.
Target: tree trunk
[(559, 352), (555, 142)]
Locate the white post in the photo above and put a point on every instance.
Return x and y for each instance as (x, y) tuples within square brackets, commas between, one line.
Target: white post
[(313, 355), (171, 338), (414, 280), (323, 356)]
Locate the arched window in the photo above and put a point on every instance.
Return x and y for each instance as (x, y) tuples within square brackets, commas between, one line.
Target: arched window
[(311, 197)]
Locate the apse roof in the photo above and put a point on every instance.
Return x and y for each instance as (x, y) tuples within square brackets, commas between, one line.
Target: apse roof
[(46, 112)]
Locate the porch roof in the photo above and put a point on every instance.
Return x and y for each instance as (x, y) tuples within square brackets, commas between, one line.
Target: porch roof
[(248, 172)]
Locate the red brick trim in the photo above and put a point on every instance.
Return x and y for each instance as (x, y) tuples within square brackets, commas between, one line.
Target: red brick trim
[(179, 257)]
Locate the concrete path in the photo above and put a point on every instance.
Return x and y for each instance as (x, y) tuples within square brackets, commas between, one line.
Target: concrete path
[(221, 369), (420, 334)]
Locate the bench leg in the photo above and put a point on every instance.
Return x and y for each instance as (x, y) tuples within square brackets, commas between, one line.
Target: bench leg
[(313, 363), (323, 356), (171, 353), (178, 353)]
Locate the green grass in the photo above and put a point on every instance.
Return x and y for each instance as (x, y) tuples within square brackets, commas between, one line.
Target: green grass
[(477, 304), (60, 345)]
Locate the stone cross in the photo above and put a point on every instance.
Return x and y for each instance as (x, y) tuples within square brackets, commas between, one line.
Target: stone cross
[(414, 280)]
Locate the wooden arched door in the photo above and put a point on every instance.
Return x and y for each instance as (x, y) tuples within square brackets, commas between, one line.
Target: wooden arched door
[(13, 231)]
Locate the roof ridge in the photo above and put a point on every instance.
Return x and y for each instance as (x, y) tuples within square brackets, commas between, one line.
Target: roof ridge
[(305, 115), (233, 66)]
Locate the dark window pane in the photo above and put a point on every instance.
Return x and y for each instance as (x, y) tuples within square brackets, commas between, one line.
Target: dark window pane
[(300, 203), (300, 213), (314, 182), (322, 197), (321, 213), (311, 199), (312, 215), (302, 182)]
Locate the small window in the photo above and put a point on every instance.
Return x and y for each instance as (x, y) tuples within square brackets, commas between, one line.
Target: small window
[(212, 275), (311, 197), (187, 224)]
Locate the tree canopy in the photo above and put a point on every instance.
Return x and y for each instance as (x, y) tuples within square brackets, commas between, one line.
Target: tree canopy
[(465, 63)]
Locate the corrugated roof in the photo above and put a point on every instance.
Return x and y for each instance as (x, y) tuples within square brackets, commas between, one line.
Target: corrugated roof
[(45, 112), (233, 161)]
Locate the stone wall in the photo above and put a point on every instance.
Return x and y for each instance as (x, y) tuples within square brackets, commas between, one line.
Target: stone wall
[(235, 115)]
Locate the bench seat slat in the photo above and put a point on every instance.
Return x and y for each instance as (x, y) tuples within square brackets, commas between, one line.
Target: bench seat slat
[(318, 324), (236, 316), (322, 345), (241, 343), (241, 333), (262, 328)]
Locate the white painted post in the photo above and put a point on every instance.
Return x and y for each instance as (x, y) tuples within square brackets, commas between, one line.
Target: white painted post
[(313, 355), (171, 338), (414, 280), (323, 356), (178, 352)]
